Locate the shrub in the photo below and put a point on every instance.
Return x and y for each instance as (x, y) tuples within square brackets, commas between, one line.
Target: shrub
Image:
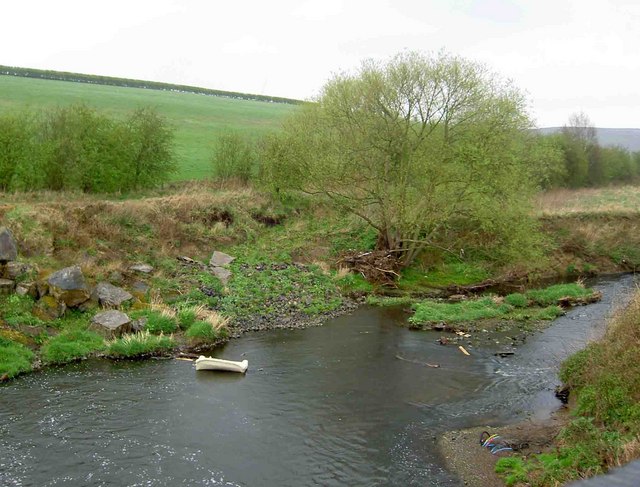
[(159, 323), (234, 157), (186, 318), (71, 345), (137, 344), (14, 358), (79, 148), (202, 331)]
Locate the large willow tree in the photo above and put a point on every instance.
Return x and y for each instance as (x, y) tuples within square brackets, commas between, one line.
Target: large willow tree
[(420, 148)]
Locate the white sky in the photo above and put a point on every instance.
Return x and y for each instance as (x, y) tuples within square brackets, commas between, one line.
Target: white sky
[(567, 55)]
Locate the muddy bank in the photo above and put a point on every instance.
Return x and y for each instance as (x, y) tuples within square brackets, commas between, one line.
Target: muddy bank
[(288, 321), (463, 454), (522, 406)]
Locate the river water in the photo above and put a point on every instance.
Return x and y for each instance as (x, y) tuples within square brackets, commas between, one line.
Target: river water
[(351, 403)]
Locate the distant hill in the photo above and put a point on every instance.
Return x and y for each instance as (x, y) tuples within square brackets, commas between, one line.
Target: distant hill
[(135, 83), (627, 138)]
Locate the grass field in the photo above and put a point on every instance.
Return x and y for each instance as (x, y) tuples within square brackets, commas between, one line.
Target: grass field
[(620, 199), (196, 118)]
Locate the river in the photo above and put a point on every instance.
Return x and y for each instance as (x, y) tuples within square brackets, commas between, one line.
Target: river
[(350, 403)]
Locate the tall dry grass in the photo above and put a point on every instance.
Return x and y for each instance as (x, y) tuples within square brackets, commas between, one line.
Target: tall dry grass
[(190, 221), (621, 200)]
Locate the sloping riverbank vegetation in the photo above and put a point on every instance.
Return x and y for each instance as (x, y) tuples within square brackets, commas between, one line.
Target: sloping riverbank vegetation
[(603, 381), (289, 269)]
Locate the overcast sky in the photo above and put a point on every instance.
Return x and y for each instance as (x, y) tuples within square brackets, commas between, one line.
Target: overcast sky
[(567, 55)]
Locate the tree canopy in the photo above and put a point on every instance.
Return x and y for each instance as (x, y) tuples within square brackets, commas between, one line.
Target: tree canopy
[(431, 151)]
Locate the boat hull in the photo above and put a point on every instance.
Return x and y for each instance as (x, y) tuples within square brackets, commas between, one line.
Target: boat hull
[(210, 363)]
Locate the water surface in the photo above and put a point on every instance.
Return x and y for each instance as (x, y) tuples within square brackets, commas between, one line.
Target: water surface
[(350, 403)]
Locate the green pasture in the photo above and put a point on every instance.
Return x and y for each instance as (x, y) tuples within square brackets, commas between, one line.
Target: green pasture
[(196, 118)]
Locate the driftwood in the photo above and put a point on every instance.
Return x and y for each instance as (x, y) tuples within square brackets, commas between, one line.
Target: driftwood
[(569, 301), (433, 366), (375, 266), (511, 280)]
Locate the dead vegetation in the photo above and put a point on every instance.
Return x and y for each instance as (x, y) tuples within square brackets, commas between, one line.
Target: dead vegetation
[(77, 227)]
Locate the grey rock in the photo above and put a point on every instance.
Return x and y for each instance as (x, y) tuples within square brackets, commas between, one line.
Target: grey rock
[(8, 247), (7, 286), (49, 309), (27, 289), (116, 277), (140, 287), (69, 286), (221, 273), (139, 324), (43, 288), (220, 259), (16, 270), (112, 322), (110, 296), (141, 268)]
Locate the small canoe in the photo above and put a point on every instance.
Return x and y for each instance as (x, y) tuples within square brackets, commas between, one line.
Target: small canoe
[(210, 363)]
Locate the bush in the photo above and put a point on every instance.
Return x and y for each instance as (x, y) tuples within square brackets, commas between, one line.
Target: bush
[(159, 323), (202, 331), (234, 158), (14, 358), (138, 344), (186, 318), (79, 148), (71, 345)]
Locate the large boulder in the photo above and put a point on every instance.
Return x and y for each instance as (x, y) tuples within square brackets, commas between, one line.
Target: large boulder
[(221, 273), (220, 259), (110, 296), (112, 323), (8, 247), (69, 286)]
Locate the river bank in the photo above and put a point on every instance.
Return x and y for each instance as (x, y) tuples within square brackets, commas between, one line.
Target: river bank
[(288, 270), (549, 430)]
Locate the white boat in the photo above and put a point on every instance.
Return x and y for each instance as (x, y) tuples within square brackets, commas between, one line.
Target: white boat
[(210, 363)]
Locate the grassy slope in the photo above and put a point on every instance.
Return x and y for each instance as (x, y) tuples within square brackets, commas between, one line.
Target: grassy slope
[(196, 118)]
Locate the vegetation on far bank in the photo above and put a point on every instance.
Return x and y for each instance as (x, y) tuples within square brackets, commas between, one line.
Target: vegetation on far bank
[(288, 267), (531, 305), (604, 432)]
